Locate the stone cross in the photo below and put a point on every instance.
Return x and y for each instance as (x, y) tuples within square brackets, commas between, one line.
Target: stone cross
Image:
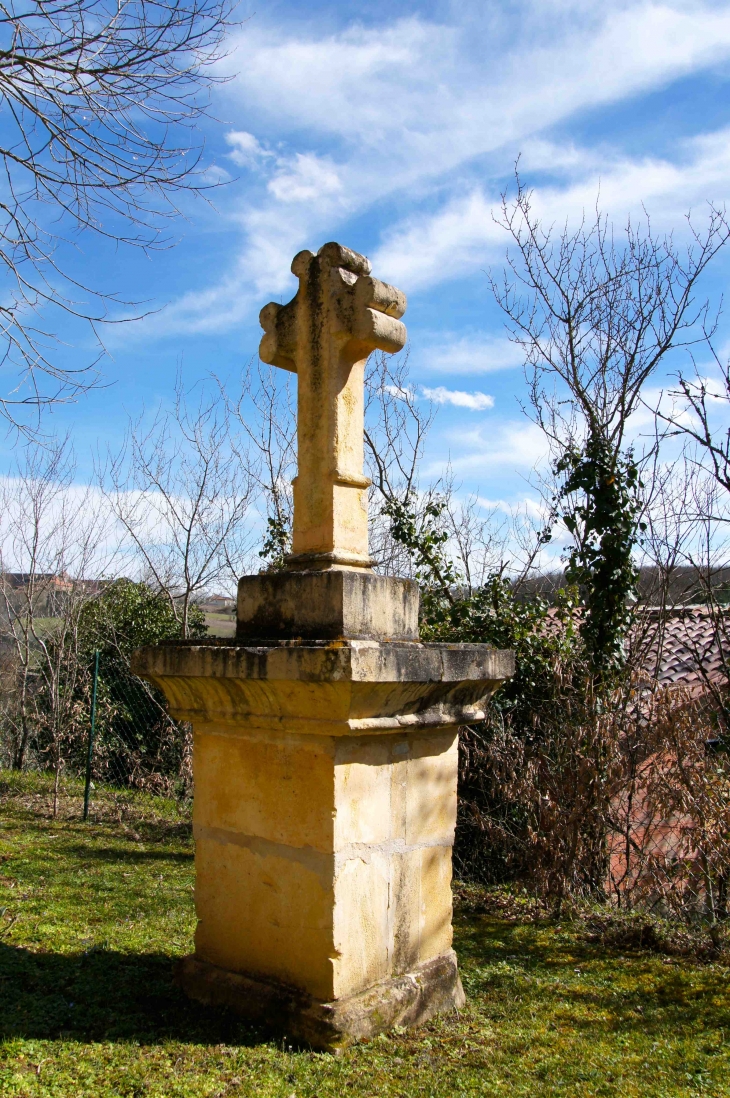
[(325, 755), (340, 314)]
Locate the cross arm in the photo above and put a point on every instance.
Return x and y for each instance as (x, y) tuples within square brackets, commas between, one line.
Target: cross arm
[(279, 342)]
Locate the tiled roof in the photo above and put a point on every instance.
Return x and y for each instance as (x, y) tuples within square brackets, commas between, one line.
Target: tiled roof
[(684, 646), (676, 646)]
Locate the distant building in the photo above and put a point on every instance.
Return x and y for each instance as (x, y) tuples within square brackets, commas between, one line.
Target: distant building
[(212, 604), (52, 581), (59, 581)]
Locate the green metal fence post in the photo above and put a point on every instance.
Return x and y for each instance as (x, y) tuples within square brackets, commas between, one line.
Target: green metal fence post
[(90, 751)]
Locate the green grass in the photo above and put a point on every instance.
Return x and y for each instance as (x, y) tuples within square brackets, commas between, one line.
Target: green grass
[(95, 915)]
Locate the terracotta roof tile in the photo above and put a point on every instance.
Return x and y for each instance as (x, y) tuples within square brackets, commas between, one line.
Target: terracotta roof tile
[(684, 646)]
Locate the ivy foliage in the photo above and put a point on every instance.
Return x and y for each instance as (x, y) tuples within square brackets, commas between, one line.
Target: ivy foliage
[(599, 503), (425, 538), (534, 776), (605, 526), (538, 632), (277, 544)]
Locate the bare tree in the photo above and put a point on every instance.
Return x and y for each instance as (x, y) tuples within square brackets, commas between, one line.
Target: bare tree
[(98, 103), (265, 410), (694, 414), (697, 413), (475, 540), (397, 425), (53, 544), (181, 493), (595, 313)]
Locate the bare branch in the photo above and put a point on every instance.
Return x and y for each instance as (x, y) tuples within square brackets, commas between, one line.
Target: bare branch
[(99, 102)]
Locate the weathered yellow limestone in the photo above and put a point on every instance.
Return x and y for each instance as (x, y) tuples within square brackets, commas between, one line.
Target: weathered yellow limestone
[(325, 753), (325, 804), (339, 315), (344, 884)]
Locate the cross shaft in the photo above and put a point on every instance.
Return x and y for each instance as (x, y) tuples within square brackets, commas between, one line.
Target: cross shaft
[(339, 315)]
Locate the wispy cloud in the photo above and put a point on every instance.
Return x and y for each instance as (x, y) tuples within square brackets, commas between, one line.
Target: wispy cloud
[(463, 235), (307, 178), (426, 96), (514, 445), (443, 352), (245, 148), (422, 109), (476, 402)]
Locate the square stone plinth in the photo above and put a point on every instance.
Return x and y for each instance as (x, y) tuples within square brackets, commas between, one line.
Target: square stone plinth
[(325, 806), (327, 606)]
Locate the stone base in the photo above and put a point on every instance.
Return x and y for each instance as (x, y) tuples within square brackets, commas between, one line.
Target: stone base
[(406, 1000)]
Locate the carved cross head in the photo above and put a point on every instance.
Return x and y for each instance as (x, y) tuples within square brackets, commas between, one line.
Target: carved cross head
[(339, 315)]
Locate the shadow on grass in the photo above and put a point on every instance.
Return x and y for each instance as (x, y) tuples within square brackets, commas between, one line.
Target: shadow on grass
[(118, 854), (103, 995)]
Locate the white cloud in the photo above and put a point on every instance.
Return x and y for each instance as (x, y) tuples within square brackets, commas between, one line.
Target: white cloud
[(480, 354), (361, 83), (424, 250), (476, 402), (401, 392), (75, 529), (463, 235), (415, 107), (427, 95), (642, 424), (535, 509), (669, 400), (246, 148), (502, 449), (306, 178)]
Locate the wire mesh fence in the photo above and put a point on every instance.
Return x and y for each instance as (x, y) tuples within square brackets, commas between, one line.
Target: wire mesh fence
[(104, 727), (133, 742)]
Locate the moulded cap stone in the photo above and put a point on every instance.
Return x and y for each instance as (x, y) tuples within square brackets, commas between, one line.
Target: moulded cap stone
[(337, 255)]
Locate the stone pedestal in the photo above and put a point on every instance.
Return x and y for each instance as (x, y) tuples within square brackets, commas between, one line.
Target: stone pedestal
[(325, 738), (325, 803)]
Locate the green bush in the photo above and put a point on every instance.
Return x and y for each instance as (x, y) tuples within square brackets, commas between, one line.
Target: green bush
[(137, 742)]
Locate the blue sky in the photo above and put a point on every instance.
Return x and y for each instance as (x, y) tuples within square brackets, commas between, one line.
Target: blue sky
[(393, 129)]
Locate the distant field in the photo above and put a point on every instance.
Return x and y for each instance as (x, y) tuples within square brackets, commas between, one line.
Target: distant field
[(221, 624), (93, 916)]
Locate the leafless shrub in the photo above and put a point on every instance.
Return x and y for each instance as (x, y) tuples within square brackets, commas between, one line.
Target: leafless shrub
[(265, 413), (52, 548), (181, 494), (534, 802), (670, 844), (398, 422)]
